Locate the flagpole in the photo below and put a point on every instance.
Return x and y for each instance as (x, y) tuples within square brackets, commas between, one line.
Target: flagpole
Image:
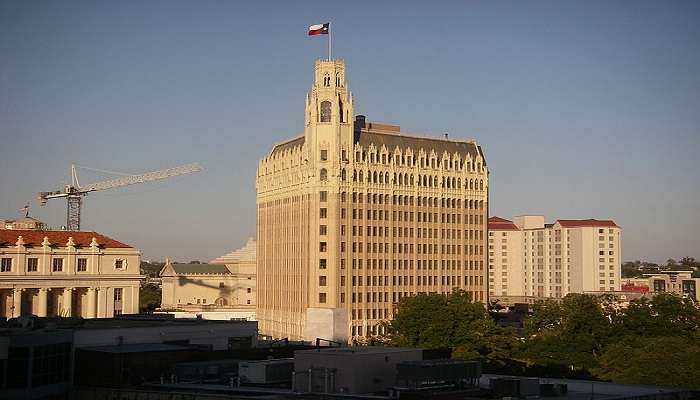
[(329, 41)]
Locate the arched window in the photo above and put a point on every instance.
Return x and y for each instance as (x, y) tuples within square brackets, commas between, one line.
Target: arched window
[(323, 175), (325, 111), (220, 302)]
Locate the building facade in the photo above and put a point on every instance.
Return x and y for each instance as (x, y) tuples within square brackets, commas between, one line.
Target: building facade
[(678, 282), (530, 258), (222, 289), (354, 215), (67, 273)]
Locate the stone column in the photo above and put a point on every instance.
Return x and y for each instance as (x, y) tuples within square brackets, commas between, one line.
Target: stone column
[(16, 302), (67, 302), (42, 299), (92, 303), (102, 307)]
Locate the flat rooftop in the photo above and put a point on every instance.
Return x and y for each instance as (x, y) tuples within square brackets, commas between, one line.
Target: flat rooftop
[(342, 351)]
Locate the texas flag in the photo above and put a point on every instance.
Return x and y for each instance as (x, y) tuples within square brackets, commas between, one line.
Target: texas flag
[(319, 29)]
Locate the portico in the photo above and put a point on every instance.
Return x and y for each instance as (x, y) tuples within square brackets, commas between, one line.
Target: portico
[(67, 274)]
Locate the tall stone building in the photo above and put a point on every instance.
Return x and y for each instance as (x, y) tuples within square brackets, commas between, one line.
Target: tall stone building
[(354, 215), (532, 259)]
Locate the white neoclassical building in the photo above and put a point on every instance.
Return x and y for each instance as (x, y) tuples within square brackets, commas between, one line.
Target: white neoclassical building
[(222, 289), (67, 273)]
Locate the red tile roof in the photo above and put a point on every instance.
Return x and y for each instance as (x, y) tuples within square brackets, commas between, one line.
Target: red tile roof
[(577, 223), (500, 224), (8, 237)]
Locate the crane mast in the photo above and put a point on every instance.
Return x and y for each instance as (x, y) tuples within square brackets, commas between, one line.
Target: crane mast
[(74, 192)]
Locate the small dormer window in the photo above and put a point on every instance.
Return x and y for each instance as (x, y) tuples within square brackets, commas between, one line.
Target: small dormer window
[(325, 111)]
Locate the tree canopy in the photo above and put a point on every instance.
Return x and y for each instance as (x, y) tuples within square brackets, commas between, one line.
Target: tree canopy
[(583, 334)]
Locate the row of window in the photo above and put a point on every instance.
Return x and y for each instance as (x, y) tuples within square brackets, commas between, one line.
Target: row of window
[(430, 181), (447, 163), (56, 264), (422, 264), (357, 280), (423, 233), (421, 201)]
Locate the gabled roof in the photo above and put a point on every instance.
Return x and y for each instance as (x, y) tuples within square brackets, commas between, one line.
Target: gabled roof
[(8, 237), (501, 224), (367, 134), (378, 134), (577, 223)]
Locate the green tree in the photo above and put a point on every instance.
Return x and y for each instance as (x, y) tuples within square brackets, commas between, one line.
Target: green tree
[(631, 269), (151, 269), (430, 321), (572, 333), (149, 298), (671, 361), (665, 314)]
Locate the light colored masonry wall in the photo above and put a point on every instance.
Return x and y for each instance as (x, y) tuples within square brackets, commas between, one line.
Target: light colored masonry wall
[(69, 292), (353, 217), (554, 260), (215, 290), (506, 275)]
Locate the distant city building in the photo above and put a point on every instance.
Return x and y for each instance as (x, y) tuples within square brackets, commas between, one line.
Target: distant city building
[(530, 258), (223, 289), (67, 273), (26, 223), (678, 282), (354, 215)]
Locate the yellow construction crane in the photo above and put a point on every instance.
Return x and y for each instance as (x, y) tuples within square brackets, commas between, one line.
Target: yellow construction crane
[(74, 192)]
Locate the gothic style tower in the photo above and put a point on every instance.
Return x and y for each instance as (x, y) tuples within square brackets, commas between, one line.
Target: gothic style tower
[(354, 215), (328, 114)]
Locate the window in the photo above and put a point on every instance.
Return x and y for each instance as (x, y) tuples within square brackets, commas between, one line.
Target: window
[(6, 264), (57, 265), (323, 230), (82, 264), (323, 213), (321, 297), (324, 155), (119, 264), (249, 290), (322, 247), (323, 174), (32, 264), (323, 196), (325, 111), (321, 281), (248, 302), (322, 263), (118, 294), (221, 285)]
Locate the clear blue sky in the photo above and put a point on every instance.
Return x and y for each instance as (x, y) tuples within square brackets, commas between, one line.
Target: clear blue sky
[(586, 109)]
